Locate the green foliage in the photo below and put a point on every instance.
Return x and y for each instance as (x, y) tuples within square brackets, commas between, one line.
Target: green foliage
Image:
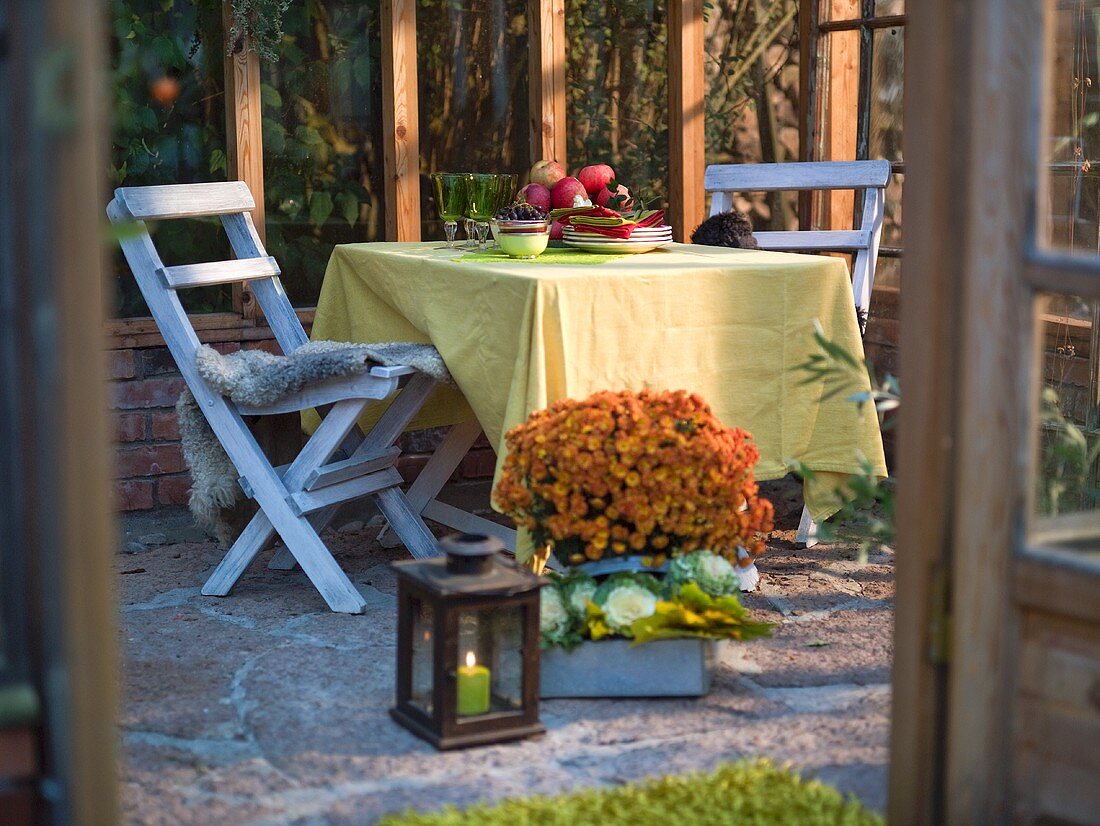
[(1067, 461), (261, 22), (747, 793), (695, 613), (178, 139), (868, 503)]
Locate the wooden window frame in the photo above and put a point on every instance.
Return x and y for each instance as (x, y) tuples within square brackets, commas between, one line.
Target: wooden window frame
[(811, 32)]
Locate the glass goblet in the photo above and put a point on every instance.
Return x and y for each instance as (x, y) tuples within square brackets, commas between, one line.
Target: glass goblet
[(482, 202), (450, 199)]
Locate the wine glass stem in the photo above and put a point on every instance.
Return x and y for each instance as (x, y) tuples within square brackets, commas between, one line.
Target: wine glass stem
[(482, 234), (471, 234), (450, 227)]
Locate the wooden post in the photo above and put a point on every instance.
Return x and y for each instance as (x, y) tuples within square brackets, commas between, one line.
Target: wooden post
[(840, 109), (400, 129), (547, 79), (686, 136), (244, 136)]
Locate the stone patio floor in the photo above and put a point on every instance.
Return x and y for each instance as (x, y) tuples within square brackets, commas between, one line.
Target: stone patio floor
[(265, 708)]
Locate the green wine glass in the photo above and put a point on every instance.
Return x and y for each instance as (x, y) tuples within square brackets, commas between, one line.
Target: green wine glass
[(483, 193), (450, 200)]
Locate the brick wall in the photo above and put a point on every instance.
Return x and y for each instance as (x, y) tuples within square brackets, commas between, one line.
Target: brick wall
[(149, 469)]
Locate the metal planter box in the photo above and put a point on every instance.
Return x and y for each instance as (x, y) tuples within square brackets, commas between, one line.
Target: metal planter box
[(612, 668)]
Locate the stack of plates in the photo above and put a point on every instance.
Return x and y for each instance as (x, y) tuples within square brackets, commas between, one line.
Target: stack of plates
[(643, 239)]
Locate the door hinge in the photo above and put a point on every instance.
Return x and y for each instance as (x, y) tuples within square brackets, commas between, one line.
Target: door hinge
[(939, 617)]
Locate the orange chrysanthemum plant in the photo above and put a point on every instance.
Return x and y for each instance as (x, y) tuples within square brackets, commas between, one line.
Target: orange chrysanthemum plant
[(650, 474)]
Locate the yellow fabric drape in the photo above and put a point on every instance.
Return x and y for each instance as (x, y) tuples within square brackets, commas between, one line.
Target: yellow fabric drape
[(728, 324)]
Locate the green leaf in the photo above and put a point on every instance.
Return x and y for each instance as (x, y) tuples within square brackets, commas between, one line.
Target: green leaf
[(270, 96), (217, 161), (320, 208), (348, 205)]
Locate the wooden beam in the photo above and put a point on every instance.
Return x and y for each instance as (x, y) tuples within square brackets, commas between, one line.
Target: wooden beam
[(686, 135), (400, 129), (547, 79), (244, 136), (840, 109), (929, 342)]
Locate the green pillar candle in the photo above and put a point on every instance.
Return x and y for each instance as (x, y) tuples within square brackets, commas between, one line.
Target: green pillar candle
[(473, 688)]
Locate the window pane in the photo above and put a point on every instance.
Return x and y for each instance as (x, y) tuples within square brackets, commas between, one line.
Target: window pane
[(887, 66), (617, 100), (1067, 487), (168, 127), (1069, 219), (884, 8), (322, 133), (472, 63), (752, 108), (891, 222)]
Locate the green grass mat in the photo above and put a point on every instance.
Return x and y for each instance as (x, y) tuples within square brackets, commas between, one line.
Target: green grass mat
[(551, 256), (746, 794)]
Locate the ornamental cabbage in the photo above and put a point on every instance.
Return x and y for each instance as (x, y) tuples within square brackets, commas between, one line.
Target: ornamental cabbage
[(578, 589), (711, 572), (624, 598), (554, 619)]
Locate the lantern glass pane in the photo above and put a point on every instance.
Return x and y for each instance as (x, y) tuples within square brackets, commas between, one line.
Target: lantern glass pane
[(490, 661), (422, 629)]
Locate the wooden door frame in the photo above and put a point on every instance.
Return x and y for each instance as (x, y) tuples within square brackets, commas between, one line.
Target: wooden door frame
[(965, 348), (64, 527)]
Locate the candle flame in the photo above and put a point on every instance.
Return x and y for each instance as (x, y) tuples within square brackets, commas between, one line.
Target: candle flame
[(471, 660)]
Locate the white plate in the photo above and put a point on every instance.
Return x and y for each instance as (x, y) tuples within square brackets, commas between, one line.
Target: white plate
[(617, 247)]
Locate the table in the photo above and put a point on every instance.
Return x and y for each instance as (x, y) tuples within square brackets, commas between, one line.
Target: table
[(731, 325)]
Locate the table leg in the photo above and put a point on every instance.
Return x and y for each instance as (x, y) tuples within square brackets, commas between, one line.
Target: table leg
[(422, 493)]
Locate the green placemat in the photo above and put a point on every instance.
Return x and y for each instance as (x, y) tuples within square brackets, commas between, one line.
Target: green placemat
[(551, 256)]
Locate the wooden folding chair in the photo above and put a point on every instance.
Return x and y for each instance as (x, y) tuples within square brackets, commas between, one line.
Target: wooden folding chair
[(870, 177), (297, 500)]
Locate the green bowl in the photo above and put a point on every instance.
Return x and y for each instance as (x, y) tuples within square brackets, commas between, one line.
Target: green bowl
[(519, 241)]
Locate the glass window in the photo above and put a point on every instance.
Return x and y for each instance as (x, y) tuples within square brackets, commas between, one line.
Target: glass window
[(1066, 478), (616, 73), (752, 107), (887, 63), (1070, 219), (322, 135), (168, 127), (472, 64)]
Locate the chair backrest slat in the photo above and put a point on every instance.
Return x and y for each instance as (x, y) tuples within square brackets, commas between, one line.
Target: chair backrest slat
[(824, 240), (721, 181), (218, 272), (777, 177), (184, 200)]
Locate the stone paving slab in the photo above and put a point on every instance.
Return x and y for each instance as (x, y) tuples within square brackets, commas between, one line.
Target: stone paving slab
[(265, 708)]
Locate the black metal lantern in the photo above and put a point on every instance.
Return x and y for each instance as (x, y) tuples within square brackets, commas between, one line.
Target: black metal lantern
[(467, 645)]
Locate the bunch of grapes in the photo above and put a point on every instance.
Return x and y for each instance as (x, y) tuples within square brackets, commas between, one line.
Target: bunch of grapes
[(521, 211)]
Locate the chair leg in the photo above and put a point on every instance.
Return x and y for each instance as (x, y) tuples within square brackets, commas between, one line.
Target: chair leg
[(406, 522), (807, 529), (251, 541), (434, 475), (283, 559)]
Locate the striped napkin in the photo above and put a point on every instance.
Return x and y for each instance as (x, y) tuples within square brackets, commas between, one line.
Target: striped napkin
[(603, 221)]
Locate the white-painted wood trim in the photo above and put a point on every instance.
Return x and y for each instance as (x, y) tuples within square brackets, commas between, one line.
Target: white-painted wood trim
[(363, 386), (408, 525), (351, 468), (185, 276), (443, 462), (183, 200), (807, 529), (776, 177), (468, 522), (825, 240), (305, 502), (387, 371)]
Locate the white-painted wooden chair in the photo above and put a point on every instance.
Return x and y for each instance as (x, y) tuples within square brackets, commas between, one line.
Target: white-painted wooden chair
[(297, 500), (869, 177)]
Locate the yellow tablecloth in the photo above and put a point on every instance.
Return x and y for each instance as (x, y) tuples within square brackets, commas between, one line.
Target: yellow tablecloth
[(517, 335)]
